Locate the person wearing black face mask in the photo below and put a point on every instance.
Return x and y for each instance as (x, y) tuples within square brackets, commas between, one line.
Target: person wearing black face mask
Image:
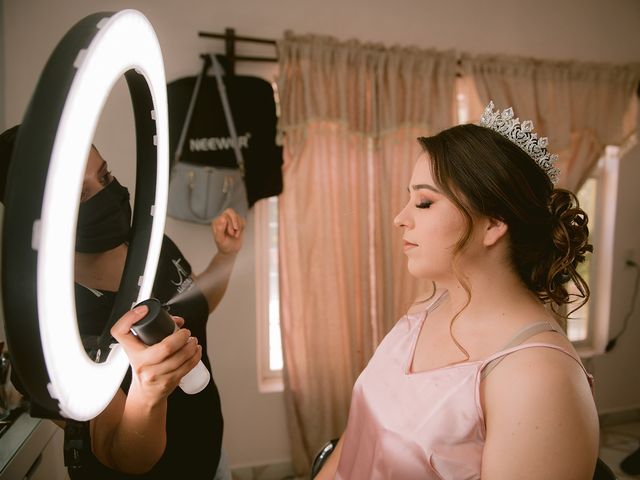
[(150, 429), (103, 228), (104, 220)]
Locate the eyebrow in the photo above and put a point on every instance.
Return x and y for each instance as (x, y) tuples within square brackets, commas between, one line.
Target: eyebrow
[(421, 186)]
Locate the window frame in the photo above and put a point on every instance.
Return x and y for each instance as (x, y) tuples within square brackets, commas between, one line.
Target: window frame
[(269, 380), (606, 174)]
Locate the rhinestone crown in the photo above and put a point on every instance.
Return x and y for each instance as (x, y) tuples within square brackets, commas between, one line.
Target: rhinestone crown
[(523, 136)]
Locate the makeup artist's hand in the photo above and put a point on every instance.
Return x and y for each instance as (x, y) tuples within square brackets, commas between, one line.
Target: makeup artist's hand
[(228, 229), (157, 369)]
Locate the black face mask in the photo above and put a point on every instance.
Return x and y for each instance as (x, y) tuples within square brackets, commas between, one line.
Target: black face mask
[(104, 221)]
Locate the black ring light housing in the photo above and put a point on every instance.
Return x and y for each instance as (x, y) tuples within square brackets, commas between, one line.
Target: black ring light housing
[(30, 176)]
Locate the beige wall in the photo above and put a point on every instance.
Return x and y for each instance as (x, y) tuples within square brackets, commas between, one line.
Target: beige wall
[(588, 30)]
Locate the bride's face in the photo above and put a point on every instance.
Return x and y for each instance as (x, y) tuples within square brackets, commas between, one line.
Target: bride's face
[(432, 226)]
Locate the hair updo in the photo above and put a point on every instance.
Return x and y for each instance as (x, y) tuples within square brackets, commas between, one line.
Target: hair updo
[(483, 173)]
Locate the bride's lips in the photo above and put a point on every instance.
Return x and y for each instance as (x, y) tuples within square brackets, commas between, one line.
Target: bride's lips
[(408, 245)]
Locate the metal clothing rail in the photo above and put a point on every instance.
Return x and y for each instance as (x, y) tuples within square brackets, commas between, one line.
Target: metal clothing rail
[(230, 38)]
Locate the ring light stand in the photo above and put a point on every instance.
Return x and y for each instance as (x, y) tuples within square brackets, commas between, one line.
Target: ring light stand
[(42, 199)]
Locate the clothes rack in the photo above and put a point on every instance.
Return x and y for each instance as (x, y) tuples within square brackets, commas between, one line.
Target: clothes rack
[(230, 38)]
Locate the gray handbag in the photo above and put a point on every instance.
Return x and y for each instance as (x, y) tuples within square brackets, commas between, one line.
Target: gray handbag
[(199, 193)]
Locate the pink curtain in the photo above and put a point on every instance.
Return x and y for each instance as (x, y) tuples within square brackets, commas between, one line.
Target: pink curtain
[(350, 114), (580, 107)]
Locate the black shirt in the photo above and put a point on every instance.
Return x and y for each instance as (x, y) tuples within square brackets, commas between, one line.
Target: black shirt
[(194, 422)]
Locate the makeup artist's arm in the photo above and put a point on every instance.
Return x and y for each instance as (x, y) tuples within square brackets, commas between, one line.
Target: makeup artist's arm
[(228, 232), (130, 435)]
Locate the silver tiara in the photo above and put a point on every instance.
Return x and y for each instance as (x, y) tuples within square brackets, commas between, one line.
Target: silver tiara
[(522, 135)]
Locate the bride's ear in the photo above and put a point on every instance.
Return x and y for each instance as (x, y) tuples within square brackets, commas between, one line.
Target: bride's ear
[(494, 230)]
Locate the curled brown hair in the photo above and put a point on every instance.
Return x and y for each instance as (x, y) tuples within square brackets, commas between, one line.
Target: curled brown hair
[(485, 174)]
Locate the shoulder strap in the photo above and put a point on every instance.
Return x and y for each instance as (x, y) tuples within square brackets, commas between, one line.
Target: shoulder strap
[(530, 331), (218, 71), (192, 104), (437, 301), (491, 361), (527, 332)]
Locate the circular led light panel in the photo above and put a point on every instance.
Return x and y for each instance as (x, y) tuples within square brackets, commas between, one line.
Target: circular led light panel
[(42, 199)]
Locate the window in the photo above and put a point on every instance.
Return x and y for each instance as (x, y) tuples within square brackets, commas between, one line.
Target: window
[(269, 349), (578, 323), (588, 327)]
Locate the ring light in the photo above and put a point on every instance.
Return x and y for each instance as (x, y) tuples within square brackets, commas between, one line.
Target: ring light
[(42, 199)]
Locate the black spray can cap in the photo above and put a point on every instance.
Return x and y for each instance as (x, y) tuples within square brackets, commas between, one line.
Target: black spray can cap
[(155, 325)]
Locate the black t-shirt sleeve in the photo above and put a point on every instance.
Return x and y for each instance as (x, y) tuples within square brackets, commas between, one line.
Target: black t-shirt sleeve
[(174, 286)]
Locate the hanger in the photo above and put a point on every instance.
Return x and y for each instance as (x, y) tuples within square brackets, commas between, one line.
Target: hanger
[(229, 59)]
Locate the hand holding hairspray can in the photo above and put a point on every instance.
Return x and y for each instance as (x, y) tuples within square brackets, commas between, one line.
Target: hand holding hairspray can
[(153, 328)]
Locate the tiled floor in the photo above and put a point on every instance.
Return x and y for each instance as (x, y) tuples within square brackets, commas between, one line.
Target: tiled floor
[(616, 442)]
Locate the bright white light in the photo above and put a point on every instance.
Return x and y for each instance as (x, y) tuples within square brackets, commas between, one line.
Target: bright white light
[(124, 41)]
